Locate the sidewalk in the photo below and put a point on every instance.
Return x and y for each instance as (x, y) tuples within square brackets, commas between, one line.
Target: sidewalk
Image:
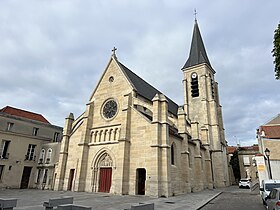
[(32, 199)]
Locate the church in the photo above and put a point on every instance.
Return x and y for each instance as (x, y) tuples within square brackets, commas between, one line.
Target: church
[(134, 140)]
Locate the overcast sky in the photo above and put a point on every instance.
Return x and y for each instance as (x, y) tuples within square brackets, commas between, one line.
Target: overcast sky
[(52, 53)]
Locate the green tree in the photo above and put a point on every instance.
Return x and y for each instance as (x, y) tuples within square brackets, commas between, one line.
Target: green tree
[(276, 52)]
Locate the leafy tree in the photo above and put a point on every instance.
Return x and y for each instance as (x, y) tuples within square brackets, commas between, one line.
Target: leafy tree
[(276, 52), (234, 162)]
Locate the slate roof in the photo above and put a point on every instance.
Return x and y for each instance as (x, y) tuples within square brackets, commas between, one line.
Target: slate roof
[(198, 53), (145, 89), (25, 114)]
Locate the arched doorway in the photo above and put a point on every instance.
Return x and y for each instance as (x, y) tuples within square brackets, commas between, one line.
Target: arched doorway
[(140, 181), (102, 173)]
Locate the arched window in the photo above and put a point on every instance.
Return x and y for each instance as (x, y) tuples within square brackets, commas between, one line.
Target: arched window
[(49, 155), (172, 154), (42, 156)]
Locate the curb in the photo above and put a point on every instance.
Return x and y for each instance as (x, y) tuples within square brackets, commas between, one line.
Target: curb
[(210, 199)]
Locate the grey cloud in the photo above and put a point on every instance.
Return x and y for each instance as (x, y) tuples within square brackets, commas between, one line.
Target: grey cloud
[(54, 52)]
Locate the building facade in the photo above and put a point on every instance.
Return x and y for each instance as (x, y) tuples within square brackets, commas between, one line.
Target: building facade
[(24, 135), (268, 136), (132, 139), (247, 162)]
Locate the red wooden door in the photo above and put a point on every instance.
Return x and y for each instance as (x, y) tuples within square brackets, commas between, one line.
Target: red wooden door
[(105, 178)]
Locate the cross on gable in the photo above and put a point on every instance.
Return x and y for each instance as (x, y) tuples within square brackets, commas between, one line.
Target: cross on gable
[(114, 51)]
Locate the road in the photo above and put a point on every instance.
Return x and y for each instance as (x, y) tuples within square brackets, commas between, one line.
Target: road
[(234, 198)]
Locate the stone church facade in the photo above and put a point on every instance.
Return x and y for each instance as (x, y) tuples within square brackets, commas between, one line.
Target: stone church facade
[(132, 139)]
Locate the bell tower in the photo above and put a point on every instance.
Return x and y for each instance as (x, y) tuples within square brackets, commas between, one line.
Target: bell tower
[(201, 104)]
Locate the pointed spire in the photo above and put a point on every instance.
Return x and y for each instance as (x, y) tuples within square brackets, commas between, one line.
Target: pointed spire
[(198, 53)]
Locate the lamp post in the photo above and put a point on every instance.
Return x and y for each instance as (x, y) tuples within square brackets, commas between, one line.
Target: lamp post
[(267, 154)]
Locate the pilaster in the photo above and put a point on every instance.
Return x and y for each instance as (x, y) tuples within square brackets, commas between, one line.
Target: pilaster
[(182, 130), (83, 156), (123, 158), (160, 143), (63, 155)]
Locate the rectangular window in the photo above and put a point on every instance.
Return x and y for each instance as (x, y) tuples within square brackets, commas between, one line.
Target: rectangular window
[(45, 176), (35, 131), (55, 138), (4, 149), (30, 152), (39, 176), (10, 126), (1, 171), (246, 161)]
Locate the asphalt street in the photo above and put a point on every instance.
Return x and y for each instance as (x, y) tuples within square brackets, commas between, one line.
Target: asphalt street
[(233, 198)]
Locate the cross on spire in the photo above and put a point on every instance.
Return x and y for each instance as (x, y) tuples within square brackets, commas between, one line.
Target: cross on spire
[(195, 13), (114, 51)]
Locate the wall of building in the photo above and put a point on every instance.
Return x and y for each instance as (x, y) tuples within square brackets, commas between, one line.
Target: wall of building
[(20, 137)]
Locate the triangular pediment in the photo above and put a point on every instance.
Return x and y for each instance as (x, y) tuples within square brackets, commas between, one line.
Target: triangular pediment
[(112, 76)]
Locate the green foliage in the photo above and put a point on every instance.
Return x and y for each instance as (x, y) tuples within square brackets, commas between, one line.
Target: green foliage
[(276, 52), (234, 162)]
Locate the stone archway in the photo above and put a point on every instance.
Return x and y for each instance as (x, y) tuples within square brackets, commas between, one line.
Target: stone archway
[(102, 173)]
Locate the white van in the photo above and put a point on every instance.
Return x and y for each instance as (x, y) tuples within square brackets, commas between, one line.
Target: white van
[(267, 186)]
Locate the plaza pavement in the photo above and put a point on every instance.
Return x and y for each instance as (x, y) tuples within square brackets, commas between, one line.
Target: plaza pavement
[(31, 199)]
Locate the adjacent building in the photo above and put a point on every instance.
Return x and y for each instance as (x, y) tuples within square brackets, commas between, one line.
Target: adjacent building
[(268, 136), (28, 149), (133, 139), (246, 161)]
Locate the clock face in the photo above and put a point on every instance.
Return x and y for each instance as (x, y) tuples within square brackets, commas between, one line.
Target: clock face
[(194, 75), (110, 109)]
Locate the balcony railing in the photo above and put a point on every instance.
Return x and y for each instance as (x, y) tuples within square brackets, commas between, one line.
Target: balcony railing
[(40, 161), (29, 157)]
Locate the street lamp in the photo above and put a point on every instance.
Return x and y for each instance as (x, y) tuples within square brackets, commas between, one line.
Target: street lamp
[(267, 154)]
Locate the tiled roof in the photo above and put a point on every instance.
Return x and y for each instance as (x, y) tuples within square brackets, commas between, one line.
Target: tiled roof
[(270, 131), (145, 89), (231, 149), (249, 148), (25, 114)]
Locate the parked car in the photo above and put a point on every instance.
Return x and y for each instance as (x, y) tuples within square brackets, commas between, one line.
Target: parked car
[(245, 182), (266, 187), (273, 199)]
